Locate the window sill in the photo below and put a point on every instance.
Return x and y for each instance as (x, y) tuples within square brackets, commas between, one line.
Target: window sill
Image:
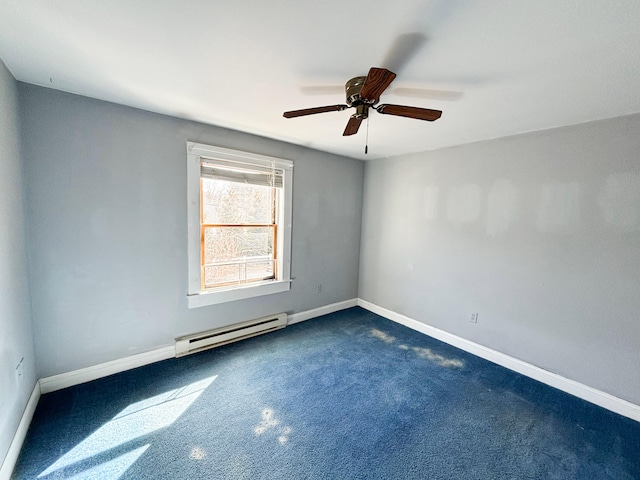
[(214, 297)]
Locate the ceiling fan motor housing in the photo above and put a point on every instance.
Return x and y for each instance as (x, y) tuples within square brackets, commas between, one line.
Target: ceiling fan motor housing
[(353, 88)]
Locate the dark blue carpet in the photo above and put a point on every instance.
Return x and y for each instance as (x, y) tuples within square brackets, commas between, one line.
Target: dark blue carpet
[(349, 395)]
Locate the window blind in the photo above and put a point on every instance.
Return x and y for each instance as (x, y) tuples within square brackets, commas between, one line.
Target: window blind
[(242, 172)]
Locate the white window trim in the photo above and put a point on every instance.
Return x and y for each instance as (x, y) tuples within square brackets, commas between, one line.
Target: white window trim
[(195, 296)]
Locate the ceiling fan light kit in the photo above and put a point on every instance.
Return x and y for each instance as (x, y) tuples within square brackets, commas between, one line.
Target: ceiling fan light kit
[(363, 93)]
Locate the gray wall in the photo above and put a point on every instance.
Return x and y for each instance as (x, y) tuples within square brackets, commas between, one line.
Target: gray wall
[(539, 234), (16, 338), (106, 199)]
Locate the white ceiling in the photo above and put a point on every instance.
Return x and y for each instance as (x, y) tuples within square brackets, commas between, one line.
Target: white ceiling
[(495, 68)]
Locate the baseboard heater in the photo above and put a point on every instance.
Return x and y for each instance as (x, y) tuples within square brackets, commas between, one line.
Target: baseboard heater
[(198, 342)]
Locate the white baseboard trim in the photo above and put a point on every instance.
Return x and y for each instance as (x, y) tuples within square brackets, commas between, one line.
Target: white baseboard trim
[(324, 310), (572, 387), (10, 459), (76, 377)]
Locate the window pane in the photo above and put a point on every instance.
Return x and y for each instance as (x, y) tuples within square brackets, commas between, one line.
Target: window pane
[(233, 244), (217, 275), (235, 273), (236, 203), (260, 270)]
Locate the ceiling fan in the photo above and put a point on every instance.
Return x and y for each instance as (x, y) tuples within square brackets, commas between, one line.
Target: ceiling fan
[(364, 93)]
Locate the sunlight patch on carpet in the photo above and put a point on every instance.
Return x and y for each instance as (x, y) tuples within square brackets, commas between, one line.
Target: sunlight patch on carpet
[(113, 469), (422, 352), (270, 422), (138, 419), (197, 453), (437, 358), (284, 438), (385, 337)]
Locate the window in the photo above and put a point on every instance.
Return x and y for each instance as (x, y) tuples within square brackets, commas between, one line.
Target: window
[(239, 224)]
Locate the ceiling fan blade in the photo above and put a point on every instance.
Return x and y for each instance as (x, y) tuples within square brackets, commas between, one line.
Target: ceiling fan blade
[(410, 112), (311, 111), (376, 82), (352, 126)]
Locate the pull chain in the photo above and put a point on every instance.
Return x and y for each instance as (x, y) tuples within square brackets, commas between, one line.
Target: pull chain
[(366, 144)]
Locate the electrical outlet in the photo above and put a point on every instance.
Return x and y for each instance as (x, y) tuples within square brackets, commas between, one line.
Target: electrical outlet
[(473, 318), (319, 288)]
